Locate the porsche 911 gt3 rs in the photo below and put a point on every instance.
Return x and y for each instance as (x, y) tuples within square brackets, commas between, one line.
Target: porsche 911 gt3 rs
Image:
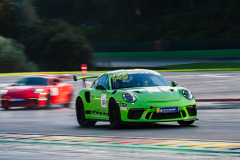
[(134, 96)]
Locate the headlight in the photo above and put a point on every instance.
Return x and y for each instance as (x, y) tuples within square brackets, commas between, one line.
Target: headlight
[(129, 97), (187, 94), (38, 91), (3, 91)]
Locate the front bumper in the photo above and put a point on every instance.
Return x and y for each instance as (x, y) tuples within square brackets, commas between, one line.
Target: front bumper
[(185, 113), (26, 102)]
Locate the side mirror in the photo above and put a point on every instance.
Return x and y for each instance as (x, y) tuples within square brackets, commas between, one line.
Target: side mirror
[(55, 83), (100, 87), (74, 78), (13, 84), (174, 84)]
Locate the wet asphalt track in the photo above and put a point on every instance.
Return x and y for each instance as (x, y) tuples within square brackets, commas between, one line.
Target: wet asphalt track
[(218, 120)]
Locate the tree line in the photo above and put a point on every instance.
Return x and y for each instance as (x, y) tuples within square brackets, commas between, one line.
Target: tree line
[(56, 33)]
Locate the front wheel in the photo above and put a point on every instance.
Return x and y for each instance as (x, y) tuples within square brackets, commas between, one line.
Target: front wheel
[(68, 104), (48, 104), (5, 108), (185, 123), (113, 115), (80, 112)]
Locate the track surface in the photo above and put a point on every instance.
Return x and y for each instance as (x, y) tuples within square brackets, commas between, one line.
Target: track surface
[(217, 121), (213, 125), (202, 84)]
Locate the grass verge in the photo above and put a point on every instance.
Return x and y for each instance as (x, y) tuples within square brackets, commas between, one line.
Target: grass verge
[(220, 65), (193, 67)]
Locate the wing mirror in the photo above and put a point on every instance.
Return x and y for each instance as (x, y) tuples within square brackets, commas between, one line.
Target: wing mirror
[(55, 83), (100, 87), (174, 84), (74, 78)]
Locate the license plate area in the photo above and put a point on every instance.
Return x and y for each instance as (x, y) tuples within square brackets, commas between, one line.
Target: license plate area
[(167, 110), (17, 99)]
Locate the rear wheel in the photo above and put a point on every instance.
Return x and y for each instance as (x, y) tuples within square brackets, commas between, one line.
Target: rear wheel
[(68, 104), (82, 121), (185, 123), (114, 118)]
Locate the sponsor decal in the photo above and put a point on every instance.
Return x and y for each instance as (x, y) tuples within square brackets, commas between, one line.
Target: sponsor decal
[(123, 104), (114, 75), (167, 110), (120, 77), (123, 108), (103, 100), (99, 112), (16, 99)]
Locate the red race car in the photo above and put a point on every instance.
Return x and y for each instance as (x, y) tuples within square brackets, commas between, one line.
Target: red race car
[(37, 90)]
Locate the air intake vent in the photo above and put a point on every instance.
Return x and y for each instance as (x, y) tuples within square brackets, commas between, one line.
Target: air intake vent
[(135, 113), (87, 96), (138, 92), (192, 110), (183, 113), (148, 115), (166, 115)]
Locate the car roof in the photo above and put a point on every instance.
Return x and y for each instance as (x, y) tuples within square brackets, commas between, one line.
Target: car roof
[(42, 76), (128, 71)]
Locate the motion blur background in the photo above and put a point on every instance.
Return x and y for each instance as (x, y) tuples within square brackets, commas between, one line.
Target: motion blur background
[(53, 35)]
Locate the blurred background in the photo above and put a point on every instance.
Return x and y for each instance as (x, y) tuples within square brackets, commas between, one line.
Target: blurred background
[(53, 35), (164, 35)]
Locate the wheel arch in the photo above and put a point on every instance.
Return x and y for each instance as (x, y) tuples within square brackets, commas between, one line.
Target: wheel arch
[(76, 103), (111, 98)]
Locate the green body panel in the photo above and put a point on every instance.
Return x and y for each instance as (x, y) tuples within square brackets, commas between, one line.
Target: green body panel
[(87, 77), (157, 96)]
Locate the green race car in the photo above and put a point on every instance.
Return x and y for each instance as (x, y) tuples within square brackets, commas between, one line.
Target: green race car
[(134, 96)]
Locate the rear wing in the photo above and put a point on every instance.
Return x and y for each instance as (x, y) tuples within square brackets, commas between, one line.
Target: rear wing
[(75, 78), (67, 77)]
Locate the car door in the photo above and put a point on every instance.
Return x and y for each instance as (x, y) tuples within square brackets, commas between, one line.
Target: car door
[(57, 90), (99, 98)]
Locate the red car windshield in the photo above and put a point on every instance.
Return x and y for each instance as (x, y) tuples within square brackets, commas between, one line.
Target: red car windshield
[(32, 81)]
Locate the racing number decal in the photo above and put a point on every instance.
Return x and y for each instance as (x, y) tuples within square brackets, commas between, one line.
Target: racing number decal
[(103, 100), (120, 77)]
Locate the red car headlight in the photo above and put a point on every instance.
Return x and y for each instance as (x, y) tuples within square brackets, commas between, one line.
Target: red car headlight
[(37, 91)]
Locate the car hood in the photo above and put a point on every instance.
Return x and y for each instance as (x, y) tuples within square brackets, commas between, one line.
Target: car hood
[(22, 89), (154, 94)]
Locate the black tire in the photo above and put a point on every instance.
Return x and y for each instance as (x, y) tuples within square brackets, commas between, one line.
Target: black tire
[(68, 104), (114, 118), (48, 105), (6, 108), (185, 123), (80, 112)]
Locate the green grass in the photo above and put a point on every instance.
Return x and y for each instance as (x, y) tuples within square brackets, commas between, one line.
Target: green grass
[(30, 73), (193, 67), (201, 70), (220, 65)]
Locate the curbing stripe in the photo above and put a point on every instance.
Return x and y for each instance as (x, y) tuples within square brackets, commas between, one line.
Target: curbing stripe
[(131, 143)]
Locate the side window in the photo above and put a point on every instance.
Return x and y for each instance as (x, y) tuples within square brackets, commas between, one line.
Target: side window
[(104, 81), (56, 80), (94, 85)]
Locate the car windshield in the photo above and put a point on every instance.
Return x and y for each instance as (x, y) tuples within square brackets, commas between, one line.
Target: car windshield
[(138, 80), (32, 81)]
